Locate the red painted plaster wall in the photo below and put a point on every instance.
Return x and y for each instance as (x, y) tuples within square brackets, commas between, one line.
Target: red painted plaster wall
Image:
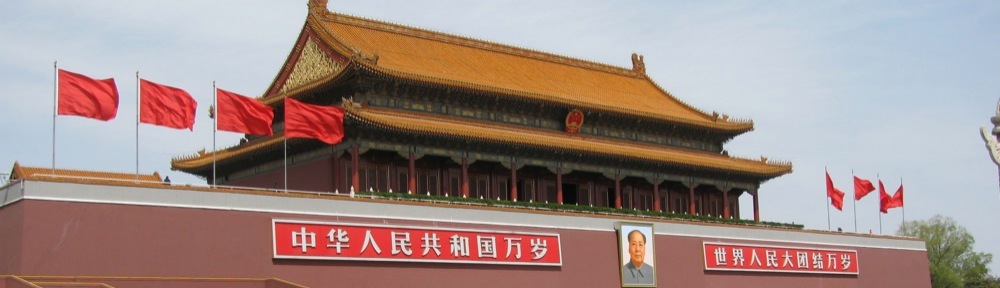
[(11, 227), (66, 238), (313, 175)]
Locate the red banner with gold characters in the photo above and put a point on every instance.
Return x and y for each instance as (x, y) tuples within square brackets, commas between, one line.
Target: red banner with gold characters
[(759, 258), (365, 242)]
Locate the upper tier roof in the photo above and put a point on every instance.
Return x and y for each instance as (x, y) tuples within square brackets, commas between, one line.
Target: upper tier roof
[(433, 57)]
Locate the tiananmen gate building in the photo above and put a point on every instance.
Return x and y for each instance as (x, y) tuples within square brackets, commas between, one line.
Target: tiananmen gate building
[(463, 163)]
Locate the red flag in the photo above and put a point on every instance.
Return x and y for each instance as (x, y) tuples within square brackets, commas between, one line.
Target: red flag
[(166, 106), (897, 199), (238, 113), (883, 198), (324, 123), (84, 96), (836, 196), (862, 187)]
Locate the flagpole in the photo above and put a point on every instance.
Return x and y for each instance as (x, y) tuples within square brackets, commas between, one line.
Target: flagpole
[(138, 111), (855, 200), (880, 222), (902, 206), (285, 141), (828, 227), (880, 188), (55, 110), (215, 128)]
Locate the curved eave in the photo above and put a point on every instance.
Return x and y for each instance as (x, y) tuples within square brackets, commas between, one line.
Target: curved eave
[(200, 161), (507, 134)]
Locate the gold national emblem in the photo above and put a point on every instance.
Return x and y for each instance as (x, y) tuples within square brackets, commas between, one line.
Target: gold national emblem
[(574, 120)]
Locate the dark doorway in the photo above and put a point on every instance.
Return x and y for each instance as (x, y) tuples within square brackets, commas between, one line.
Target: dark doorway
[(569, 194), (522, 195)]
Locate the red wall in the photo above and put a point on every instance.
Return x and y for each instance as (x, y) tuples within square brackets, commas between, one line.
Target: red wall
[(11, 225), (314, 175), (66, 238)]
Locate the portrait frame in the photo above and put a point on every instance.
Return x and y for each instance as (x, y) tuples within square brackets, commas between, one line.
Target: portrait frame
[(624, 256)]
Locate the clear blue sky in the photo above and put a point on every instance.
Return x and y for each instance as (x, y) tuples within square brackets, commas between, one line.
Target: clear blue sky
[(895, 90)]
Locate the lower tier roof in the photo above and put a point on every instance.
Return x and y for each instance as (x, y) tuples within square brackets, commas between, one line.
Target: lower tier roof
[(427, 124)]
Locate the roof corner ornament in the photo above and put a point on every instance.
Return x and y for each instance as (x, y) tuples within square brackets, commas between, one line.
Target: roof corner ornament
[(638, 66), (348, 103), (365, 57), (991, 137), (318, 6)]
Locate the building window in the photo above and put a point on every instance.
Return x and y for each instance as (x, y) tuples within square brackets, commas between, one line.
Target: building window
[(455, 179), (480, 185), (403, 181), (427, 182), (374, 177), (502, 191)]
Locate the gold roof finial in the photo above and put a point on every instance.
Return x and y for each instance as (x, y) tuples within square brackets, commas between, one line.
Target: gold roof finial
[(637, 64), (318, 6)]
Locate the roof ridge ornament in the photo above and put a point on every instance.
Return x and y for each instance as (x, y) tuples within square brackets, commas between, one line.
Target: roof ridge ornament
[(370, 58), (319, 6), (638, 65)]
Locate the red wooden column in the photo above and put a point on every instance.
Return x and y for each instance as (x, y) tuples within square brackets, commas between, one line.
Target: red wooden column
[(335, 170), (656, 194), (618, 191), (513, 180), (411, 172), (465, 176), (691, 209), (355, 175), (559, 191), (725, 202), (756, 207), (666, 207)]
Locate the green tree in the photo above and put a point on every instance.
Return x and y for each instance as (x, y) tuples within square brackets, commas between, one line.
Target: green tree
[(949, 248), (988, 282)]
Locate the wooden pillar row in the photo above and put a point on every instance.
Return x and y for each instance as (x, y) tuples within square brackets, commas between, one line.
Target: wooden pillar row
[(756, 207), (618, 190), (668, 198), (691, 207), (513, 179), (355, 174), (559, 189), (656, 194), (725, 202), (335, 170), (411, 182), (465, 176)]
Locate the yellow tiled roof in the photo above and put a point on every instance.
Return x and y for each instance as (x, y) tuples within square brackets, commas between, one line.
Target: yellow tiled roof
[(428, 56), (202, 159), (490, 131), (24, 172), (493, 132)]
